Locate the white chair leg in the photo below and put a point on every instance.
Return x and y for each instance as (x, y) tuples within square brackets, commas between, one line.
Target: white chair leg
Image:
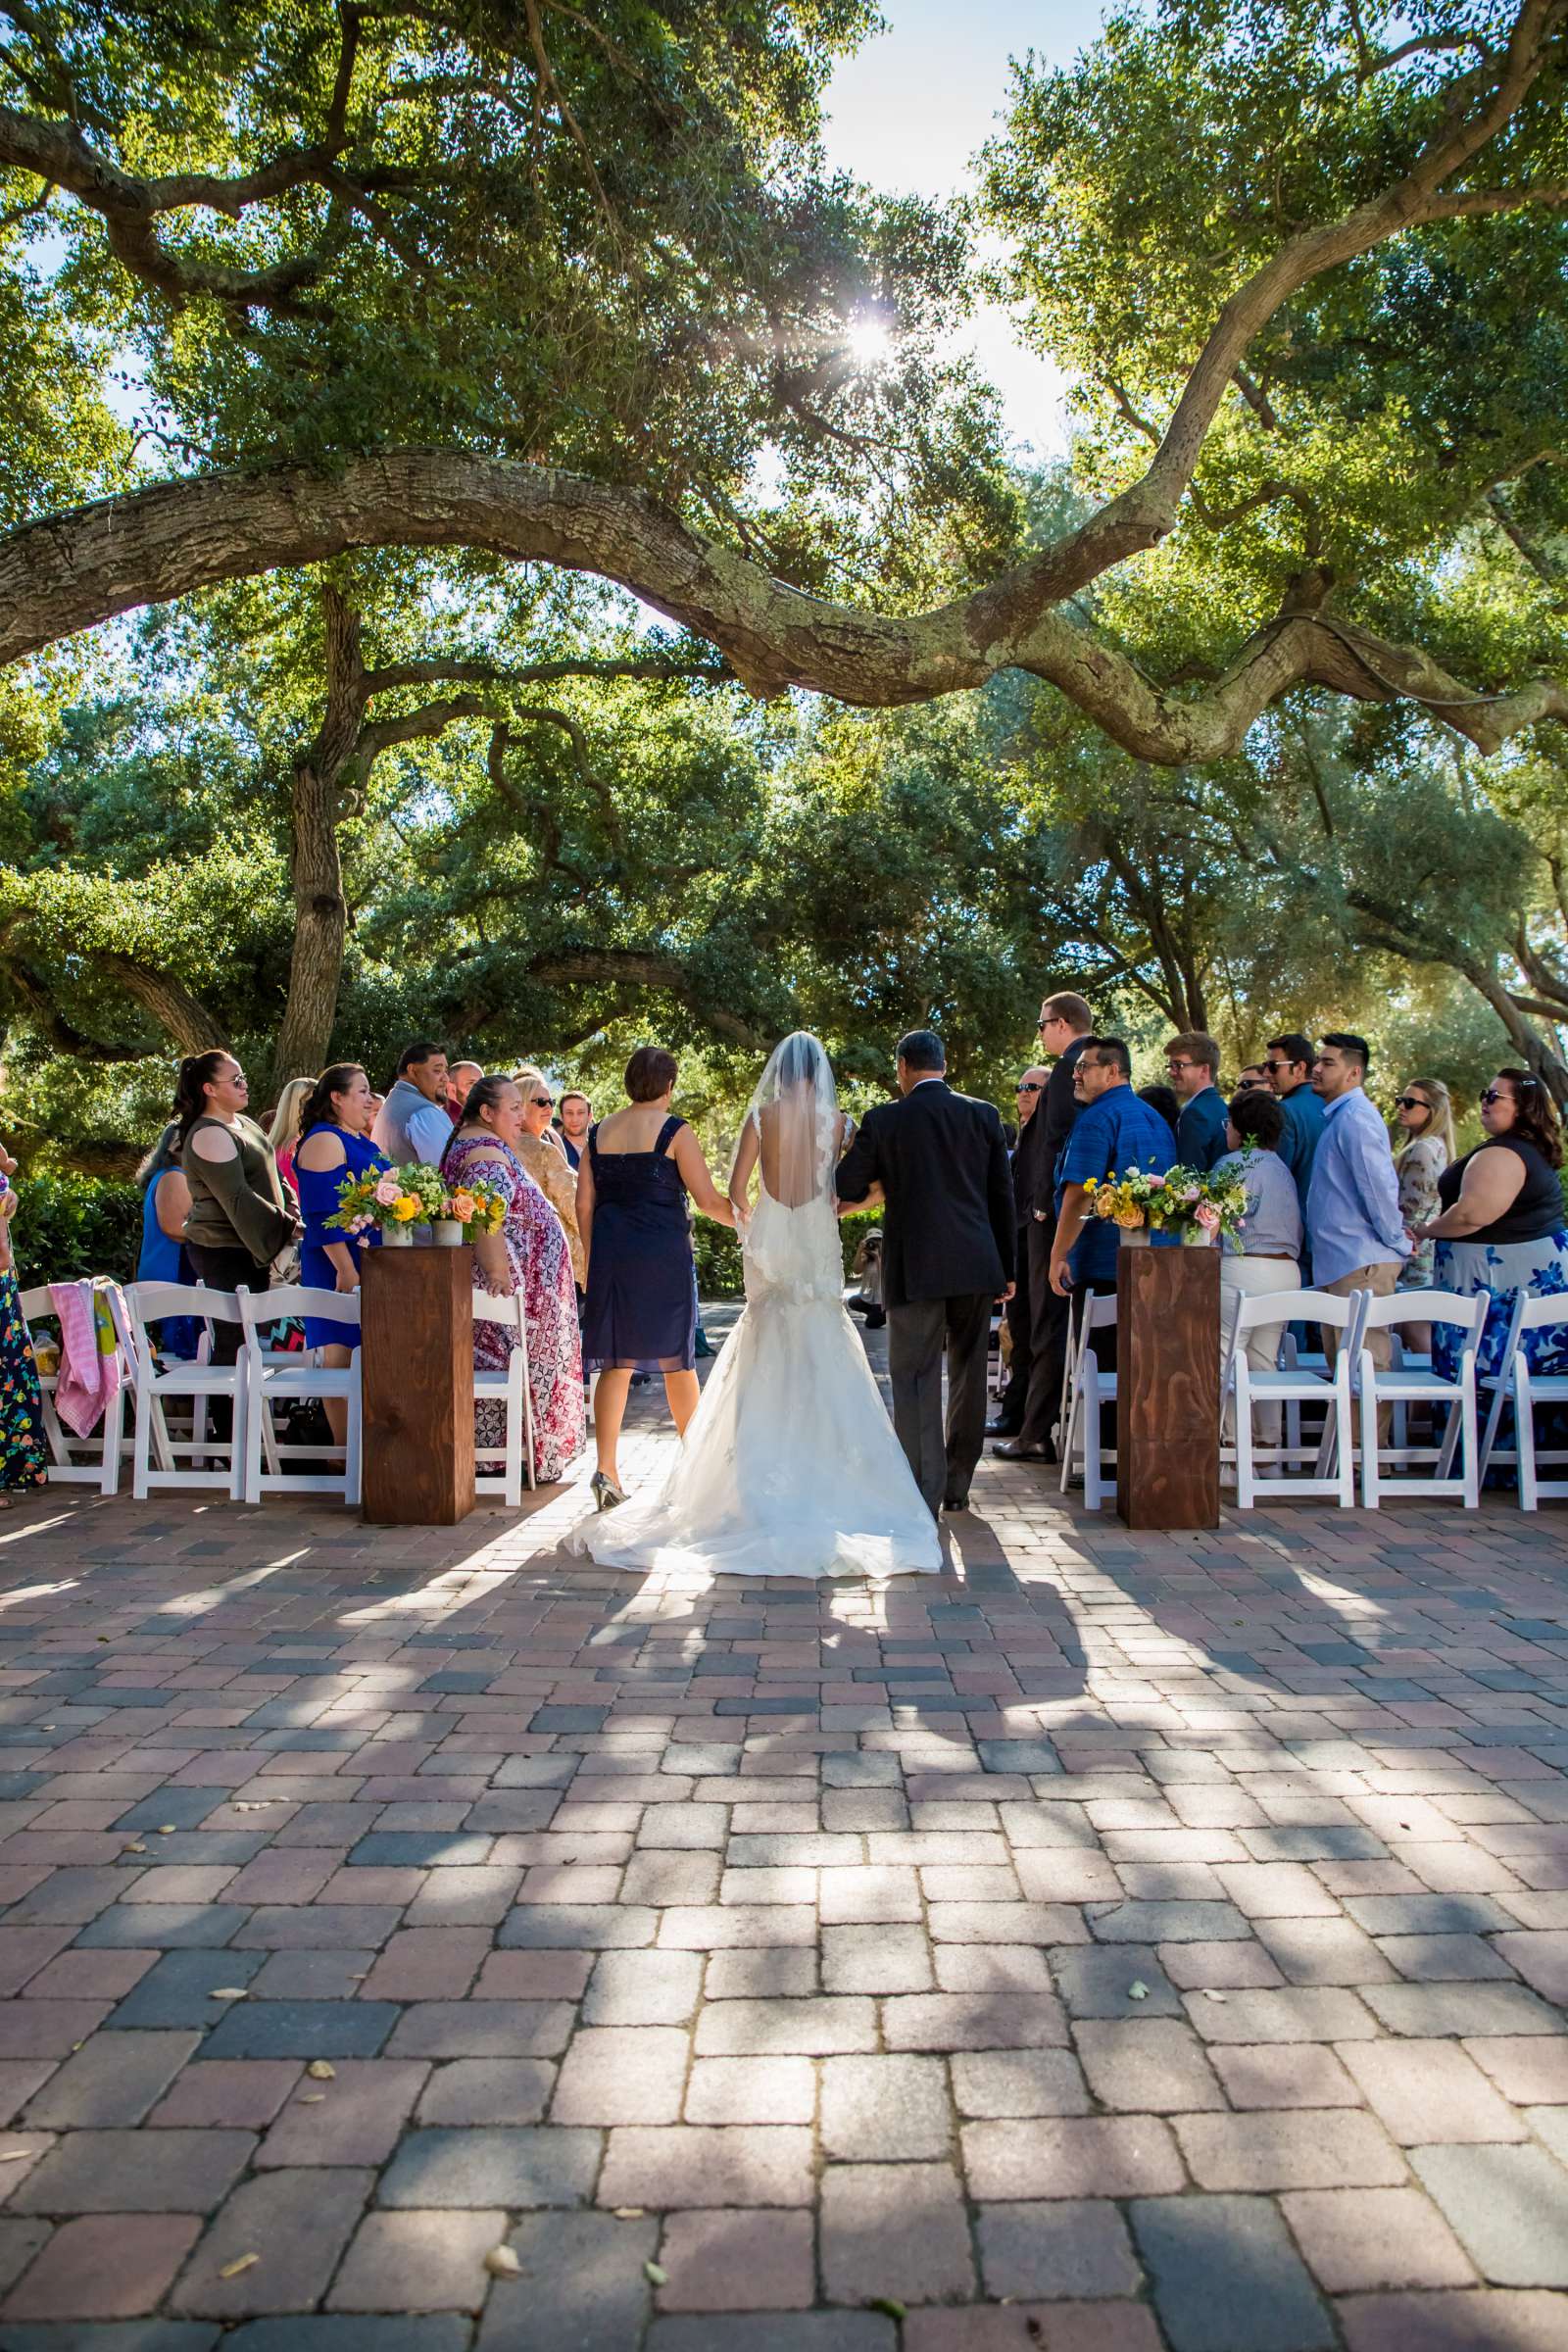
[(114, 1437), (1370, 1465), (1246, 1479), (144, 1429), (1469, 1449), (250, 1446), (1524, 1435), (352, 1445), (1343, 1426), (240, 1433), (1091, 1429)]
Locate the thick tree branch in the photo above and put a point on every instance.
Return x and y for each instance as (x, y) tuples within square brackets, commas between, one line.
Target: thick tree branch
[(648, 969), (651, 668)]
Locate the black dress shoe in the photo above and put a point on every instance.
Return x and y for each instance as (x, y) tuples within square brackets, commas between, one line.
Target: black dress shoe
[(955, 1502), (1003, 1429), (1013, 1449)]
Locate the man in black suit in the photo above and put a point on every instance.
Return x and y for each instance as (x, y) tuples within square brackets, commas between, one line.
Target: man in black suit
[(1066, 1021), (940, 1160), (1031, 1130)]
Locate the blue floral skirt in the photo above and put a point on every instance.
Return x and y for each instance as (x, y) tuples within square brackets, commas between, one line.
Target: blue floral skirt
[(1503, 1269), (23, 1451)]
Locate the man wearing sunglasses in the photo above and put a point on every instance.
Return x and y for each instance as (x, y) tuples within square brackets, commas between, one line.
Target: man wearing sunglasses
[(1064, 1023), (1031, 1130), (1289, 1065)]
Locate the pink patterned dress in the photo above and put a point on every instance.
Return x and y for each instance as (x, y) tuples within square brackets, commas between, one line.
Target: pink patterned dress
[(539, 1262)]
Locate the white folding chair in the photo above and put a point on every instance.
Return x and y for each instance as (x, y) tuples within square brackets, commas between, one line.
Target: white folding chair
[(1092, 1391), (276, 1379), (1514, 1381), (511, 1389), (1296, 1382), (1414, 1382), (161, 1382), (93, 1460)]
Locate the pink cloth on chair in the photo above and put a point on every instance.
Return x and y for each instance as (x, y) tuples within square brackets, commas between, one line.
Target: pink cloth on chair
[(90, 1354)]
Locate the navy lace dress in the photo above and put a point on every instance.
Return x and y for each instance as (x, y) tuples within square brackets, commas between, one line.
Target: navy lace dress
[(641, 1311)]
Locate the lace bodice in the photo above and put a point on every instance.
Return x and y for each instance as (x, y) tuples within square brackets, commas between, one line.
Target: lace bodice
[(792, 1254)]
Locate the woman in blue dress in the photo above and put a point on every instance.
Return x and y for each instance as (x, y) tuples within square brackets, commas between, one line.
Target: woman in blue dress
[(641, 1309), (165, 1206), (334, 1143)]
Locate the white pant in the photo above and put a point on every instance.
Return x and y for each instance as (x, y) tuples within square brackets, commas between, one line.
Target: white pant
[(1252, 1278)]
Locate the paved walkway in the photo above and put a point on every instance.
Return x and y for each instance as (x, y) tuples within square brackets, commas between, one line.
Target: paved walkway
[(1120, 1942)]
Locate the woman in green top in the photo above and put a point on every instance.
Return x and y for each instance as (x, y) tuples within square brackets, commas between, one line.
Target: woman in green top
[(240, 1213)]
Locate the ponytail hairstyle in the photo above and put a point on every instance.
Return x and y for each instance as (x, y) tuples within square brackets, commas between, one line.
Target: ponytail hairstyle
[(196, 1073), (316, 1108), (287, 1127), (483, 1095)]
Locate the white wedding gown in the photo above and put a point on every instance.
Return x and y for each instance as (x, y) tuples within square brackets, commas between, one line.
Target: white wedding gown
[(790, 1465)]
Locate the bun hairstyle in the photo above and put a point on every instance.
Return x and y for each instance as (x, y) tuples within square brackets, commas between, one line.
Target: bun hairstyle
[(1535, 1118), (483, 1095), (316, 1108), (196, 1073)]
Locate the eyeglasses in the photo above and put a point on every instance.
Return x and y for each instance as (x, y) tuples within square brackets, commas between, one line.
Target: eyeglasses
[(1176, 1062), (1029, 1086), (1414, 1102), (1491, 1095), (1273, 1067)]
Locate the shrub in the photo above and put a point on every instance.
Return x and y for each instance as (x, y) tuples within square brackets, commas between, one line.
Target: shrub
[(68, 1226)]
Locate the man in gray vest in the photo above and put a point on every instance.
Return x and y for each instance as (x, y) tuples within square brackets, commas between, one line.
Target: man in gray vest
[(414, 1122)]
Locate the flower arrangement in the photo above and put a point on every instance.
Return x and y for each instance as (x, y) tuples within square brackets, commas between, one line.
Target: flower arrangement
[(416, 1194), (1182, 1201)]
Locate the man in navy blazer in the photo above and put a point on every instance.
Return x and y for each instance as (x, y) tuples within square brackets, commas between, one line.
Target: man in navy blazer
[(939, 1161)]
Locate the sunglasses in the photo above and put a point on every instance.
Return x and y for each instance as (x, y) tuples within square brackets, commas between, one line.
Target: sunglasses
[(1414, 1102), (1029, 1086), (1273, 1067), (544, 1102), (1491, 1095)]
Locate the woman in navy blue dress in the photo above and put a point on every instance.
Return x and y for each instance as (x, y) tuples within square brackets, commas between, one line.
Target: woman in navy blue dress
[(334, 1142), (641, 1310)]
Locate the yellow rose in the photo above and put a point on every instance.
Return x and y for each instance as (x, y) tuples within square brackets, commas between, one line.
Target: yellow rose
[(405, 1209)]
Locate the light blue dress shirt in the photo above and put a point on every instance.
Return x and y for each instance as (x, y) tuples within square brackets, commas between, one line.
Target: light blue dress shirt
[(1352, 1210)]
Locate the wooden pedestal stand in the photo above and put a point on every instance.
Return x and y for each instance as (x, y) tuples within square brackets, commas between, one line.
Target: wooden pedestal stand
[(1167, 1388), (417, 1366)]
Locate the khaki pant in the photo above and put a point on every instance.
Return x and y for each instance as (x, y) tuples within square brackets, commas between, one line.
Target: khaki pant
[(1379, 1345)]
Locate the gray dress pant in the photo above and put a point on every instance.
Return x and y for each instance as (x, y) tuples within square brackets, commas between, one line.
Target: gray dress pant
[(943, 1462)]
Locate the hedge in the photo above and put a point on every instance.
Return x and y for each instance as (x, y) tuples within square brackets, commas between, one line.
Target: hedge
[(72, 1225)]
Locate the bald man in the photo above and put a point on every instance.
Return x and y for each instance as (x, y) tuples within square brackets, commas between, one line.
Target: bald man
[(1009, 1412)]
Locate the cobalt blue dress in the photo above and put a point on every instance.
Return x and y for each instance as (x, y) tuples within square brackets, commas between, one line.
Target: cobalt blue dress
[(318, 1190), (641, 1310)]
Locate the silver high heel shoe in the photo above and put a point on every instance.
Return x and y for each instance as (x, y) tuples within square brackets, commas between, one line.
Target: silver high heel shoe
[(604, 1492)]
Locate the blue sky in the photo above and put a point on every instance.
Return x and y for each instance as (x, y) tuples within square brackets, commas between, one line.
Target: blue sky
[(913, 107)]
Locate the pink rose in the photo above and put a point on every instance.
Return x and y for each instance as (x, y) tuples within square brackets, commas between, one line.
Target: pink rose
[(388, 1191), (1156, 1184), (1208, 1216)]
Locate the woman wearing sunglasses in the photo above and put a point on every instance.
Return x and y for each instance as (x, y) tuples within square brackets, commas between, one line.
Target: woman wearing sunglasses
[(546, 1161), (1501, 1224), (1423, 1147)]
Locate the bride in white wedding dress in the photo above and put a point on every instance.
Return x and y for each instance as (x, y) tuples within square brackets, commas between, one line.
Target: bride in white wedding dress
[(790, 1466)]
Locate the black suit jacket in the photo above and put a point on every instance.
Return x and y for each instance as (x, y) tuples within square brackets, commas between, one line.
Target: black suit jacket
[(941, 1160), (1056, 1117), (1028, 1179)]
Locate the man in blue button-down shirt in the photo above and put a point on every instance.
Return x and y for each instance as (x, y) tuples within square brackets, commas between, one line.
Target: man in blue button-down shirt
[(1192, 1061), (1352, 1209), (1116, 1131)]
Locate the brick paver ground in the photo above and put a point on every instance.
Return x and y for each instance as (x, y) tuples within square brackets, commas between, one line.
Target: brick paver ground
[(1120, 1942)]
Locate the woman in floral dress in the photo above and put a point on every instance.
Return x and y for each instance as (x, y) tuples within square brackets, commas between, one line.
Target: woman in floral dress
[(530, 1256), (24, 1454)]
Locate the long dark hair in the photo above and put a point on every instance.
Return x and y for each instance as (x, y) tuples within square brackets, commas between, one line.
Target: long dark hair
[(1535, 1118), (163, 1155), (483, 1095), (196, 1073), (316, 1108)]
